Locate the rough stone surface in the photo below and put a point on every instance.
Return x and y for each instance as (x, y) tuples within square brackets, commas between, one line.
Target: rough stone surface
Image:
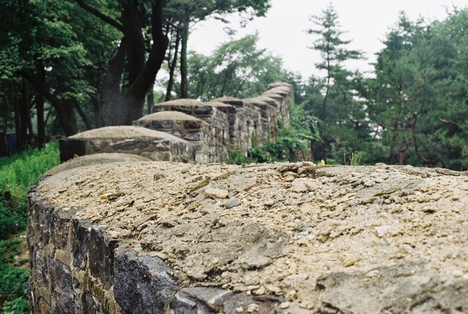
[(304, 239), (142, 284), (95, 159)]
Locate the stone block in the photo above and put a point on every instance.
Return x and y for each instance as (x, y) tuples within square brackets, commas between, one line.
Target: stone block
[(129, 144), (80, 245), (97, 145), (69, 148), (184, 109), (41, 272), (90, 304), (62, 287), (203, 110), (192, 124), (194, 136), (162, 124), (214, 300), (142, 284), (101, 256)]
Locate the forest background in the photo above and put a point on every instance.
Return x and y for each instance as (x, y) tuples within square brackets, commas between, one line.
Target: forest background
[(72, 65), (69, 66)]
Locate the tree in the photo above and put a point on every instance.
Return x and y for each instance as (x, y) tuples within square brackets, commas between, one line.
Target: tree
[(333, 52), (404, 91), (341, 117), (41, 53), (184, 13), (417, 101), (138, 58), (236, 68)]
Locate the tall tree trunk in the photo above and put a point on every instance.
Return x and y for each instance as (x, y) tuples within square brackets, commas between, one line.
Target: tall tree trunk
[(135, 96), (65, 113), (150, 101), (27, 114), (126, 105), (5, 127), (40, 120), (112, 94), (19, 128), (172, 67), (96, 111), (129, 78), (183, 57), (83, 115)]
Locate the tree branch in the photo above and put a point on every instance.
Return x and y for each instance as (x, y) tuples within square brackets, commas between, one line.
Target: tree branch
[(100, 15)]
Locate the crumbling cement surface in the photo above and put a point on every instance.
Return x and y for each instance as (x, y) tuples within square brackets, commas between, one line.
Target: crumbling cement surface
[(381, 239), (95, 159)]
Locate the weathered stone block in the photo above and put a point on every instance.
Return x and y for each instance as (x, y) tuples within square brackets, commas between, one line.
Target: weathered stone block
[(194, 136), (41, 271), (129, 144), (80, 245), (162, 124), (142, 284), (62, 286), (192, 124), (184, 109), (101, 256), (90, 305), (203, 110)]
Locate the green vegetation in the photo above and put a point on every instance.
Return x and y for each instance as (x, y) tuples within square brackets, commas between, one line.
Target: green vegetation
[(411, 110), (17, 174), (67, 66), (292, 143)]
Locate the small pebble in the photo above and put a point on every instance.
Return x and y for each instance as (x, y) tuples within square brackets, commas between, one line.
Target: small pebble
[(253, 307), (232, 202), (284, 305)]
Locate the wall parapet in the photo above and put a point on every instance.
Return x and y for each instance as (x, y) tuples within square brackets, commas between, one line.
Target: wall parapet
[(192, 131), (162, 237)]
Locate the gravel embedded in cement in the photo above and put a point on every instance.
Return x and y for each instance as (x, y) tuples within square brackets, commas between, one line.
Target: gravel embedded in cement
[(293, 224)]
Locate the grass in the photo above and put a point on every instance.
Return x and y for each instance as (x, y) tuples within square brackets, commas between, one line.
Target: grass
[(17, 174)]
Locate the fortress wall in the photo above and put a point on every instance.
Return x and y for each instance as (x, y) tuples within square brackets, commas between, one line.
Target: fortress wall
[(140, 141), (81, 266), (192, 131)]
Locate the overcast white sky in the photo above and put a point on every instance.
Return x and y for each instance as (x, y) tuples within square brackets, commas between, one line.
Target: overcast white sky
[(282, 31)]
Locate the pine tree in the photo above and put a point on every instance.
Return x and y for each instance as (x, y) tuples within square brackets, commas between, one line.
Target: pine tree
[(342, 119)]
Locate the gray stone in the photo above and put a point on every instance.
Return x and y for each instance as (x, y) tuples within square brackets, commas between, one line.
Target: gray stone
[(42, 273), (62, 287), (101, 256), (91, 305), (80, 245), (162, 124), (205, 110), (404, 288), (232, 202), (215, 300), (194, 136), (130, 144), (142, 284)]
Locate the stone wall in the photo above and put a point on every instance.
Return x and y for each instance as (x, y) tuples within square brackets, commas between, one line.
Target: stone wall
[(192, 131), (78, 267), (140, 141), (134, 236)]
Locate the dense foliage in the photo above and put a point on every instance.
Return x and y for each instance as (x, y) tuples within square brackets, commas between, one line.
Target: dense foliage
[(72, 65), (411, 110)]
